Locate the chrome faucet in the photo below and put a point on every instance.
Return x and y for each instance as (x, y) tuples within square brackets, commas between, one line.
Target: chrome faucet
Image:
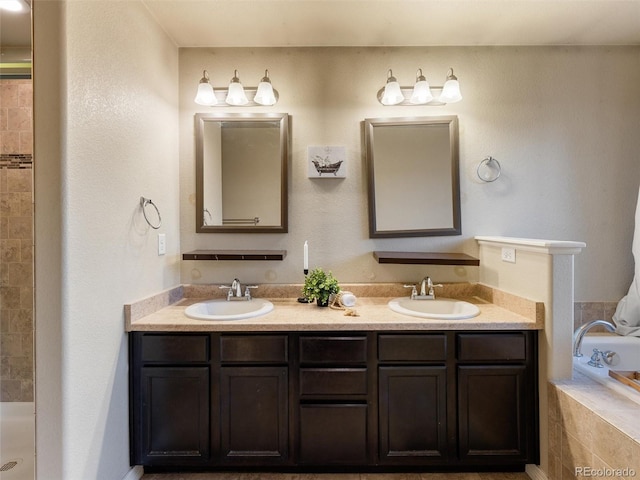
[(235, 290), (580, 332), (426, 290)]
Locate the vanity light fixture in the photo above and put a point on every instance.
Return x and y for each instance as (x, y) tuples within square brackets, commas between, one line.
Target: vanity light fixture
[(205, 95), (451, 90), (236, 95), (392, 94), (421, 93), (265, 95)]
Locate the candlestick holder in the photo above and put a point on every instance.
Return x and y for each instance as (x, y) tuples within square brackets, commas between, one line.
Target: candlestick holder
[(303, 299)]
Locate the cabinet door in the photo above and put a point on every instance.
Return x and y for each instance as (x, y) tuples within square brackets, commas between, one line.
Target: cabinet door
[(175, 415), (333, 434), (492, 413), (254, 410), (412, 414)]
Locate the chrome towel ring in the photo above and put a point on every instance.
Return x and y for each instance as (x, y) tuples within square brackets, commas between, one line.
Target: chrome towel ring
[(489, 170), (143, 204)]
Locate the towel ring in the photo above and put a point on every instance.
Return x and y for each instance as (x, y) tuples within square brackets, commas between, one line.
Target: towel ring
[(147, 201), (489, 169)]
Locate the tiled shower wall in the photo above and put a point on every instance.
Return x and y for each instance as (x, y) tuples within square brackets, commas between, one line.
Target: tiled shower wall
[(16, 241)]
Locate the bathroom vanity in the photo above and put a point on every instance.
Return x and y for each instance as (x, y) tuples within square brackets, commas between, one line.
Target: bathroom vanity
[(383, 392)]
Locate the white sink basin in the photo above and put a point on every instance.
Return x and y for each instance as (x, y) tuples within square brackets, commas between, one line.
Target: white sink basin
[(440, 308), (221, 309)]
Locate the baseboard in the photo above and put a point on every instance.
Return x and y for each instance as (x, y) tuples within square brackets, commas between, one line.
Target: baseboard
[(535, 472), (134, 474)]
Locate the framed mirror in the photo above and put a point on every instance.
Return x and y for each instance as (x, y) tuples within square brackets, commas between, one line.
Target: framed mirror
[(241, 172), (413, 177)]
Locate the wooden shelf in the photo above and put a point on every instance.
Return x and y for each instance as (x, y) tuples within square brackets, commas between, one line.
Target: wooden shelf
[(426, 258), (235, 255)]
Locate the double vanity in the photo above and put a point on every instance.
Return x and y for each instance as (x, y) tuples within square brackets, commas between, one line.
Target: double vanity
[(308, 388)]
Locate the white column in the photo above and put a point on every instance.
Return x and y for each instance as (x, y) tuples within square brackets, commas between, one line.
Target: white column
[(542, 271)]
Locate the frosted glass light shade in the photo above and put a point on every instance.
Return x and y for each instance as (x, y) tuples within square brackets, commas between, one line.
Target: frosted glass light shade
[(236, 95), (392, 93), (11, 5), (451, 90), (205, 95), (264, 94), (421, 93)]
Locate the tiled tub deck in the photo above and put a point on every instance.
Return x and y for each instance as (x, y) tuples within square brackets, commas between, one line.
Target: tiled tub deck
[(593, 431)]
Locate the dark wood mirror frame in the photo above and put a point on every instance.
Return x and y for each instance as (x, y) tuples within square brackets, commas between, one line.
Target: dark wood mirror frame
[(283, 120), (452, 167)]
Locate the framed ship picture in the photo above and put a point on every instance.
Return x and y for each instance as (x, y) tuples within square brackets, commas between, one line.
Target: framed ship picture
[(326, 161)]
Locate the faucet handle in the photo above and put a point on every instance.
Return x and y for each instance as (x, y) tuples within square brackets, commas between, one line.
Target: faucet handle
[(229, 291), (414, 291), (247, 291)]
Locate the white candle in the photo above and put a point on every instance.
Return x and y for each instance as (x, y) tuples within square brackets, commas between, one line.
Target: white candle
[(306, 255)]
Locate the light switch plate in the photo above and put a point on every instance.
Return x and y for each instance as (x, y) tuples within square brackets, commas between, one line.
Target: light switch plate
[(509, 254), (162, 243)]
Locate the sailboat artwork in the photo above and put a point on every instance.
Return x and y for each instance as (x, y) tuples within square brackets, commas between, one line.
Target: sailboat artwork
[(326, 161)]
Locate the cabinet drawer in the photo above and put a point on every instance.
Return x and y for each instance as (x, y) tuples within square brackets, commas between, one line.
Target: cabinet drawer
[(175, 348), (254, 348), (336, 350), (412, 348), (493, 346), (316, 382)]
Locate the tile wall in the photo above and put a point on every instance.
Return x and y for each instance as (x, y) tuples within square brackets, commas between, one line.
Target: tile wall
[(585, 312), (16, 241), (593, 432)]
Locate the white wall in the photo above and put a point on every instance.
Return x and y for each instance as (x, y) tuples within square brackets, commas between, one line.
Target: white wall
[(106, 133), (562, 121)]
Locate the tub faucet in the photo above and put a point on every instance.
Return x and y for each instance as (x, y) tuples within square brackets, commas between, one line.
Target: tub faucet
[(579, 334)]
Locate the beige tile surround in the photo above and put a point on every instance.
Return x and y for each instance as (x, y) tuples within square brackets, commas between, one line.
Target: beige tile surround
[(16, 242), (16, 135), (590, 426), (585, 312)]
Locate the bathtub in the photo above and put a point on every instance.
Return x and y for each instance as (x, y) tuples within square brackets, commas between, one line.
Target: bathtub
[(17, 445), (627, 358)]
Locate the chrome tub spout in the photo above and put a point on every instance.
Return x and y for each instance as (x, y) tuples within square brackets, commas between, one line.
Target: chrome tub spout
[(580, 332)]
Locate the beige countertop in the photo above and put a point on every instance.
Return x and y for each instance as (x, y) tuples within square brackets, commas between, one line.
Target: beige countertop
[(498, 311)]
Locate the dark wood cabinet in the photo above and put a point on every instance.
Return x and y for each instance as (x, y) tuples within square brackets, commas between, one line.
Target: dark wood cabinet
[(333, 434), (497, 391), (170, 398), (492, 412), (333, 400), (253, 414), (413, 414), (175, 415)]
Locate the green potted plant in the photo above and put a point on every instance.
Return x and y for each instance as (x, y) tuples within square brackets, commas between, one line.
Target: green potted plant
[(319, 285)]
